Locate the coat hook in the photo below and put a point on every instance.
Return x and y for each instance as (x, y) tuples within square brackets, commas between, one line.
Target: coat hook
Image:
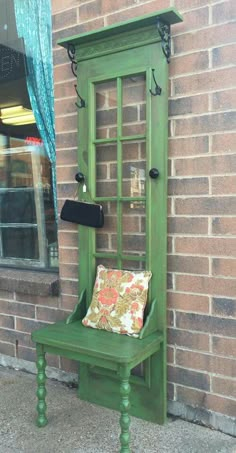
[(82, 101), (157, 91)]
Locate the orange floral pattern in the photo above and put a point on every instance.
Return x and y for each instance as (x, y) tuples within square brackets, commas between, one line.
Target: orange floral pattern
[(118, 302)]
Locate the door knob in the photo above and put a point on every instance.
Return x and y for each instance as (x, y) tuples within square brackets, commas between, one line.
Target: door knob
[(154, 173), (79, 177)]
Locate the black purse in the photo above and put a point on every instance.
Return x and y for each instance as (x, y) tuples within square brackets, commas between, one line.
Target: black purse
[(82, 213)]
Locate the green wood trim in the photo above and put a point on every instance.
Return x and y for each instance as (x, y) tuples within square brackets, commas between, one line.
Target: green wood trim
[(80, 309), (127, 138), (119, 171), (123, 257), (168, 16), (150, 324)]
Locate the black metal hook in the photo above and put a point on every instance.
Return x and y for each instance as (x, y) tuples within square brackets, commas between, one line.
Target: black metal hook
[(71, 55), (157, 91), (82, 101)]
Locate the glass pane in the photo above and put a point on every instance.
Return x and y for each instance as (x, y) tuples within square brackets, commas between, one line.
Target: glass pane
[(19, 243), (106, 238), (133, 221), (106, 109), (106, 170), (17, 206), (110, 263), (16, 170), (133, 265), (134, 169), (134, 105)]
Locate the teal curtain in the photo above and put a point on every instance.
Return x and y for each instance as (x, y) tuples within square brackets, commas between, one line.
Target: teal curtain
[(33, 22)]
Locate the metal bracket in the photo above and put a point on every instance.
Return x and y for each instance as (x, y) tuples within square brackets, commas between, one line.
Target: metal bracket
[(71, 55), (157, 91), (164, 31)]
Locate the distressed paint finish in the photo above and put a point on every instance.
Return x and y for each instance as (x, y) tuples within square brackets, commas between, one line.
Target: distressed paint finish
[(113, 53), (41, 390)]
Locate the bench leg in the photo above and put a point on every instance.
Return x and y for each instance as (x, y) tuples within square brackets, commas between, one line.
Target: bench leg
[(41, 390), (124, 408)]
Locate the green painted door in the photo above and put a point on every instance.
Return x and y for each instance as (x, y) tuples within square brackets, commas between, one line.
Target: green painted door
[(122, 136)]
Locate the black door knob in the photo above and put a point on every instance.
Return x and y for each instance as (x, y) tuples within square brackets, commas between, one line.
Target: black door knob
[(154, 173), (79, 177)]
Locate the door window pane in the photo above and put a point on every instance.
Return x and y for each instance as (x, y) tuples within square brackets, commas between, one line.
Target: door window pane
[(134, 105), (106, 238), (134, 237), (134, 169), (106, 109), (106, 170)]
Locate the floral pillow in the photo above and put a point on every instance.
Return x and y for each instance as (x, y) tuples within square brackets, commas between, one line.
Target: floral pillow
[(118, 302)]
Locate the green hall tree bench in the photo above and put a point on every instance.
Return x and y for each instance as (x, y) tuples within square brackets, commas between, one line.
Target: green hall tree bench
[(122, 105)]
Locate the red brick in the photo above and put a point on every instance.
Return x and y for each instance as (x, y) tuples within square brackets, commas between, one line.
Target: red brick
[(37, 300), (66, 140), (68, 302), (188, 378), (65, 174), (203, 39), (222, 143), (224, 225), (12, 336), (64, 90), (222, 56), (68, 157), (224, 267), (206, 285), (69, 271), (224, 386), (205, 206), (205, 165), (206, 246), (212, 122), (17, 309), (70, 366), (65, 107), (224, 346), (188, 264), (63, 73), (188, 225), (7, 321), (224, 307), (170, 391), (7, 349), (190, 340), (6, 295), (188, 302), (224, 12), (68, 256), (205, 323), (205, 81), (205, 400), (130, 13), (187, 5), (189, 104), (66, 123), (224, 185), (27, 325), (194, 62), (223, 405), (206, 362), (170, 354), (187, 186), (192, 20), (68, 239), (65, 19), (69, 287), (58, 5), (224, 100), (50, 314)]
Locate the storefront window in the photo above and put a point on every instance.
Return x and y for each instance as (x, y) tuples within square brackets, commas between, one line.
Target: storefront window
[(28, 229)]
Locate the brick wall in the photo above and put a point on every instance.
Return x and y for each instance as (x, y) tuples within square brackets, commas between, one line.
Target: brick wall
[(202, 204), (202, 188)]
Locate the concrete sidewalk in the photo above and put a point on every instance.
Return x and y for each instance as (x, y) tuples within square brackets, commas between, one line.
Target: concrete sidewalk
[(79, 427)]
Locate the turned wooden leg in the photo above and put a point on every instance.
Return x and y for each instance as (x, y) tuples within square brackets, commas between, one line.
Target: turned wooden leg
[(124, 408), (41, 390)]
